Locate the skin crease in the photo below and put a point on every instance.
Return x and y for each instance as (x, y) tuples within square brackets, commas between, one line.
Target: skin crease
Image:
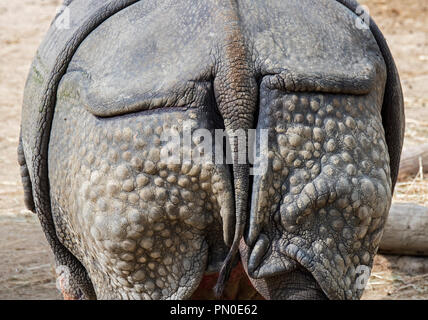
[(127, 225)]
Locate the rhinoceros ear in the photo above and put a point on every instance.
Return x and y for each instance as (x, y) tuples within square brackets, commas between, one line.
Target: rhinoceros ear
[(393, 105)]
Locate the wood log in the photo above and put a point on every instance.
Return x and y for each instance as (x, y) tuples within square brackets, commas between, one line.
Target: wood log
[(411, 159), (406, 230), (412, 265)]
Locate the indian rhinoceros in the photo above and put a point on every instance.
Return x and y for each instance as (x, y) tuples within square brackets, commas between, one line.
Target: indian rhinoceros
[(125, 223)]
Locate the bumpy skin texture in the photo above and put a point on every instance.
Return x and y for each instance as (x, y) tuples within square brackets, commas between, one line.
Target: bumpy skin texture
[(324, 199), (145, 223), (123, 223)]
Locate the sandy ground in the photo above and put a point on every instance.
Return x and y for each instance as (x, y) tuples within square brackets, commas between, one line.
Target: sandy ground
[(26, 270)]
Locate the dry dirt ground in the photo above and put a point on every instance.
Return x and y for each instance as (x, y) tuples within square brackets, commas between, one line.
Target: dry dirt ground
[(26, 270)]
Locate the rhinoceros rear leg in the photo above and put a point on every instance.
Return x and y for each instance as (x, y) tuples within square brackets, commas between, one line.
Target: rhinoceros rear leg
[(72, 281), (319, 210)]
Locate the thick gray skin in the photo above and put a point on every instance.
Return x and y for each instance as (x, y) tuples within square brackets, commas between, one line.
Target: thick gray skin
[(144, 229)]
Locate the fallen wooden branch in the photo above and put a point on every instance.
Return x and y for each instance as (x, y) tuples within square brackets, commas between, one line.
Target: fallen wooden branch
[(406, 230), (413, 161)]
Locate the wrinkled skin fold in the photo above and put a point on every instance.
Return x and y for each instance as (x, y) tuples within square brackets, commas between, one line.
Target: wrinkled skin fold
[(124, 223)]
